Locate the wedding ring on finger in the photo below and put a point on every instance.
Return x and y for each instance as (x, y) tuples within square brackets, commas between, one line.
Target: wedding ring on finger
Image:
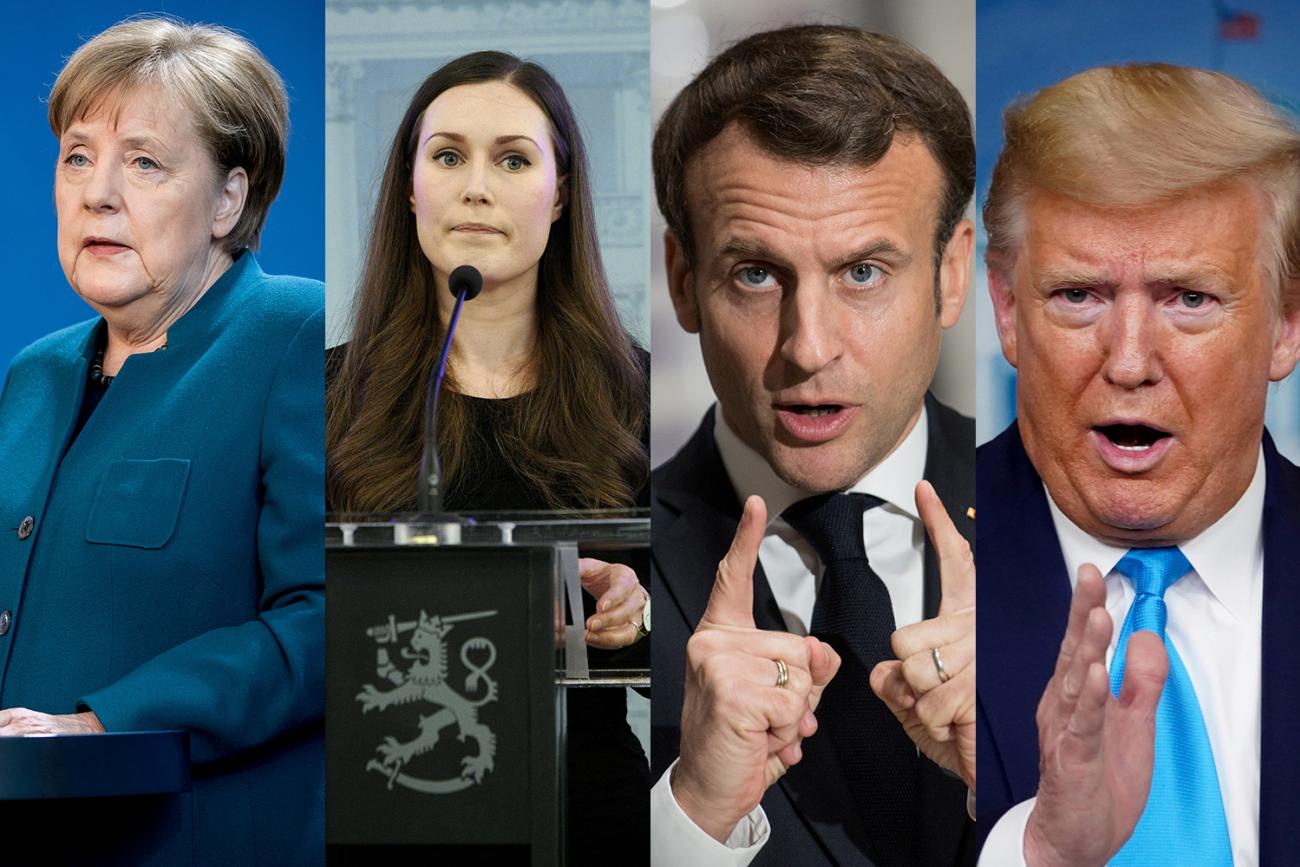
[(944, 676), (782, 673)]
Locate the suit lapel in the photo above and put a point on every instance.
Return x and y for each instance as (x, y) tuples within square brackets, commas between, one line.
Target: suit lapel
[(1279, 760), (1021, 572)]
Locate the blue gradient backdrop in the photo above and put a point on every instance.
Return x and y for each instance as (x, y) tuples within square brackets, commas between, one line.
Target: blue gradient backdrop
[(35, 299)]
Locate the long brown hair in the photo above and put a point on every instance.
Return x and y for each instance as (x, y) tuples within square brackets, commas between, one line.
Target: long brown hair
[(577, 435)]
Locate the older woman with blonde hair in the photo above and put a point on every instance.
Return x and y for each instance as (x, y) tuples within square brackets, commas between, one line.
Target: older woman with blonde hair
[(163, 459)]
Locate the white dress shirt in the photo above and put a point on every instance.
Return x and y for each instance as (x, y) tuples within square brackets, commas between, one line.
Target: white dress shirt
[(895, 542), (1214, 623)]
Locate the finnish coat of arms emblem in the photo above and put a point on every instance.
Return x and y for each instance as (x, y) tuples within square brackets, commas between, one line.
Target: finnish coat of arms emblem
[(425, 679)]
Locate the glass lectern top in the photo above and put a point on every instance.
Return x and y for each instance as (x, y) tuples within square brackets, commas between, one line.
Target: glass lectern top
[(609, 528)]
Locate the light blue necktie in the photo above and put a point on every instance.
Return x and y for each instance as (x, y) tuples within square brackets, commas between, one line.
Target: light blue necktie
[(1183, 823)]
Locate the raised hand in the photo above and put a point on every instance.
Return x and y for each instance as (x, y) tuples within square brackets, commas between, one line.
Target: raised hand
[(1096, 750), (937, 712), (740, 730)]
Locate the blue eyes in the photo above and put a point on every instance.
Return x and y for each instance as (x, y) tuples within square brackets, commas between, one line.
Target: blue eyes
[(451, 159), (1186, 299), (756, 277), (79, 160), (862, 274)]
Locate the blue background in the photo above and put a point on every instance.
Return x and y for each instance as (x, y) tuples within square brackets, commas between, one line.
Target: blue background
[(1024, 45), (35, 297)]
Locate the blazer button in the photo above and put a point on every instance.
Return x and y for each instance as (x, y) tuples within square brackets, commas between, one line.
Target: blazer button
[(6, 618), (25, 528)]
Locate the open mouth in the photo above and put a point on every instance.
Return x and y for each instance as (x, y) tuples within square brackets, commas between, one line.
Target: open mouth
[(1132, 437), (813, 410), (813, 423)]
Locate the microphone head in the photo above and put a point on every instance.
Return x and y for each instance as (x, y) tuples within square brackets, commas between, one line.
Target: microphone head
[(467, 280)]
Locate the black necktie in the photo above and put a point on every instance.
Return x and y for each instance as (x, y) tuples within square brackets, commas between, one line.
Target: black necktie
[(854, 615)]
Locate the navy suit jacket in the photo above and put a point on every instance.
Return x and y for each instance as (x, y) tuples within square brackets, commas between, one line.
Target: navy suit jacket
[(1024, 602), (175, 575), (694, 513)]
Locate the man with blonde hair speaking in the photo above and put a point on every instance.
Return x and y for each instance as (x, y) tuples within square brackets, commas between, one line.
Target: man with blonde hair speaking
[(1138, 529)]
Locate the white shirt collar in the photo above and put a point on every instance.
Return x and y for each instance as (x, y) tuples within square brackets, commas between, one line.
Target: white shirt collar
[(893, 480), (1217, 554)]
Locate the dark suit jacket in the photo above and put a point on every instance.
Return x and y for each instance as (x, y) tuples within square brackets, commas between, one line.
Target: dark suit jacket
[(175, 575), (694, 512), (1024, 602)]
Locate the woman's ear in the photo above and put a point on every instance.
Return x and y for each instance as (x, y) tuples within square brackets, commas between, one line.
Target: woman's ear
[(561, 197), (231, 197)]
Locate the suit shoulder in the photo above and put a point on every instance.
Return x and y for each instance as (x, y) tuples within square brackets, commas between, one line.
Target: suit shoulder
[(683, 469), (956, 427), (63, 342), (278, 295)]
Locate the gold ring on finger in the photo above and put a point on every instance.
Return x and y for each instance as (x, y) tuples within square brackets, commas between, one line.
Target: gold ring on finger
[(944, 676), (782, 673)]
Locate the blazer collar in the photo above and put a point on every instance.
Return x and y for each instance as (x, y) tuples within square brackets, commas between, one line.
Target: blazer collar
[(1279, 761), (1024, 603)]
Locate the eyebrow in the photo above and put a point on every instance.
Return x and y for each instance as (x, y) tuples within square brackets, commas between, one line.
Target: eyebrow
[(740, 248), (501, 139), (1191, 277), (74, 135)]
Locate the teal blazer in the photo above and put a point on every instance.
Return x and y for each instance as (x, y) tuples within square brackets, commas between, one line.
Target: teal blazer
[(172, 575)]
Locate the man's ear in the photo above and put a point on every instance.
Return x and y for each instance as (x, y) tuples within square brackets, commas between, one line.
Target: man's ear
[(681, 286), (954, 273), (1286, 345), (230, 202), (1002, 293)]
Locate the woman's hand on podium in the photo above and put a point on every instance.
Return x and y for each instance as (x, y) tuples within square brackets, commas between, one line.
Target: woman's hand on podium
[(22, 721), (620, 603)]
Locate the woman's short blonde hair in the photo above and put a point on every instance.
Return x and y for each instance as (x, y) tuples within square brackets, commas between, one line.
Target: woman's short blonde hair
[(236, 98), (1127, 136)]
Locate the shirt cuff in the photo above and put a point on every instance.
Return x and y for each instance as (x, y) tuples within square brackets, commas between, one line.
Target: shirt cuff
[(1005, 846), (676, 841)]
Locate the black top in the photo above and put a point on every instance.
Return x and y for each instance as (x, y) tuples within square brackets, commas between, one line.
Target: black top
[(491, 483)]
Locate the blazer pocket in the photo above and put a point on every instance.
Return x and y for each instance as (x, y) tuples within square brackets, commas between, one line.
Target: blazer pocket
[(138, 502)]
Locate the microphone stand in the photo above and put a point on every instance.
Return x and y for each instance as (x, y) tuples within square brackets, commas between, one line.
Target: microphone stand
[(430, 465)]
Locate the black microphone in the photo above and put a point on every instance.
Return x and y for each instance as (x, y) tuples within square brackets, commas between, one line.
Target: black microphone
[(465, 283)]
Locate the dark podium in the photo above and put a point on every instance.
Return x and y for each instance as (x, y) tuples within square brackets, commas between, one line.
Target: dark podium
[(449, 647), (98, 788)]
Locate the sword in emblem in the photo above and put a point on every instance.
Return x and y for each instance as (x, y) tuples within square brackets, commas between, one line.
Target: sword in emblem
[(387, 633)]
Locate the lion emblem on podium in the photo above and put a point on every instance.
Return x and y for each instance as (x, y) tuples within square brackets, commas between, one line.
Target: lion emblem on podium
[(425, 680)]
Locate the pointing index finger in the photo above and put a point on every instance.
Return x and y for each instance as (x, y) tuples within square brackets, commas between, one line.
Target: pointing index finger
[(732, 601), (956, 563)]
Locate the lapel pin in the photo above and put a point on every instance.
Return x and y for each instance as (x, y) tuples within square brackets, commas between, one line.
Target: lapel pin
[(970, 512)]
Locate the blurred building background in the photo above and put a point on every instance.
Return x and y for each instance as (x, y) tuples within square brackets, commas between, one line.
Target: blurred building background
[(1025, 45), (377, 53), (686, 34)]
